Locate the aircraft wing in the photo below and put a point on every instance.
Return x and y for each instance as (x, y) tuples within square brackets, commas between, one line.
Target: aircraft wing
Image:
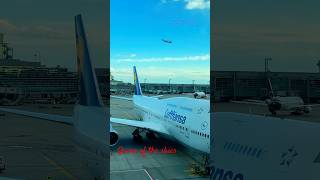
[(123, 98), (50, 117), (253, 102), (141, 124), (309, 105)]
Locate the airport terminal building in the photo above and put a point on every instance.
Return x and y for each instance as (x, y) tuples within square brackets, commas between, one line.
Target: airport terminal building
[(237, 85)]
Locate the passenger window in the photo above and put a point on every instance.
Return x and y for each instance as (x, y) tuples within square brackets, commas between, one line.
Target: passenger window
[(259, 153), (237, 147), (228, 145), (241, 147), (249, 151), (245, 149), (233, 145), (254, 152)]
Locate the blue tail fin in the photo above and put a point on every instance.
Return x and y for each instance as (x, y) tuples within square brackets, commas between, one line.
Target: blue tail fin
[(89, 89), (137, 89)]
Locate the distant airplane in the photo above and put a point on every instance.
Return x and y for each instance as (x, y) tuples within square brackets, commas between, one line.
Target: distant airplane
[(166, 41), (294, 104), (89, 120), (186, 120), (199, 94)]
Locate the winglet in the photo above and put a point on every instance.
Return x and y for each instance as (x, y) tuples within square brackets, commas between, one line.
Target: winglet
[(137, 89), (89, 89)]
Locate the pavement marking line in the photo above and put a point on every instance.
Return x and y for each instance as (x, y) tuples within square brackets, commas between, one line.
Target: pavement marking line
[(21, 147), (60, 168), (148, 174), (133, 170)]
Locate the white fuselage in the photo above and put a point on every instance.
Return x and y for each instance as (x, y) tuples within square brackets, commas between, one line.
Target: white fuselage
[(187, 120), (289, 103), (252, 147)]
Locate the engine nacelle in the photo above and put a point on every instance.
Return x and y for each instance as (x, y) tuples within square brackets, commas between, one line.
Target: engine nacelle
[(114, 137), (307, 109)]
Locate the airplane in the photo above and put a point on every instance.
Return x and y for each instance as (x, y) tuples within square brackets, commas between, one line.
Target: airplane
[(183, 119), (199, 95), (90, 118), (294, 104), (166, 41)]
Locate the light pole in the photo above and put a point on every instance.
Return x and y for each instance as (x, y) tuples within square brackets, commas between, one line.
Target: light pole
[(194, 89), (266, 64), (37, 55), (145, 85), (169, 85)]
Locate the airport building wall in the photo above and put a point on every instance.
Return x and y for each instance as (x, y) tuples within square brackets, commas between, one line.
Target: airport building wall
[(158, 88), (238, 85)]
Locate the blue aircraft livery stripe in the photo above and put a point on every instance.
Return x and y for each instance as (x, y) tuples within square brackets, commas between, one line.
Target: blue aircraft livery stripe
[(137, 89), (89, 90)]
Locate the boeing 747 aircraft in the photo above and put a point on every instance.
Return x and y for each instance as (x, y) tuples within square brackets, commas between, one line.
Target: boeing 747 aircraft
[(89, 120), (187, 120)]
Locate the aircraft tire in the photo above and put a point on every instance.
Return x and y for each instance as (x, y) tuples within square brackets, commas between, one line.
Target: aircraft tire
[(150, 135)]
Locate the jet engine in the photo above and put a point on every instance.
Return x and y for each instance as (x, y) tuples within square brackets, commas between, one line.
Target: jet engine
[(274, 105), (307, 109)]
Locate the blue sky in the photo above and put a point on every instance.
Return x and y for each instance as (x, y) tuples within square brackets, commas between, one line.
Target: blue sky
[(137, 30)]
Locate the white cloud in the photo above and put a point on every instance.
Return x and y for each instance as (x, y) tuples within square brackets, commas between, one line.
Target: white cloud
[(197, 4), (162, 74), (38, 31), (5, 24), (205, 57), (192, 4)]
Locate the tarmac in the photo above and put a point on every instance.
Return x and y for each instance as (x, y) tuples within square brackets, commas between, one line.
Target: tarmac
[(313, 116), (149, 165), (39, 149)]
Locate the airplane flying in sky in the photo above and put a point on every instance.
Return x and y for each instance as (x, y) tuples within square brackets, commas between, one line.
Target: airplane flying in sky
[(187, 120), (166, 41), (293, 104), (90, 117)]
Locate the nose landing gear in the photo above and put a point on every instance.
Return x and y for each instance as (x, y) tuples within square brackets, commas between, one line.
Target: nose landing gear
[(136, 135)]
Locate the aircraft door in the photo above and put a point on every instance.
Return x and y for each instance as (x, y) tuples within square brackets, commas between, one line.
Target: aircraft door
[(187, 132)]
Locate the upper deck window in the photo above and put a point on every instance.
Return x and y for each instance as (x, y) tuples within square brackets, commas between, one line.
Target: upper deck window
[(171, 105)]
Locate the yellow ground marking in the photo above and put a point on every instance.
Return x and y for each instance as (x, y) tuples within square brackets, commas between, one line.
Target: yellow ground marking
[(60, 168)]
